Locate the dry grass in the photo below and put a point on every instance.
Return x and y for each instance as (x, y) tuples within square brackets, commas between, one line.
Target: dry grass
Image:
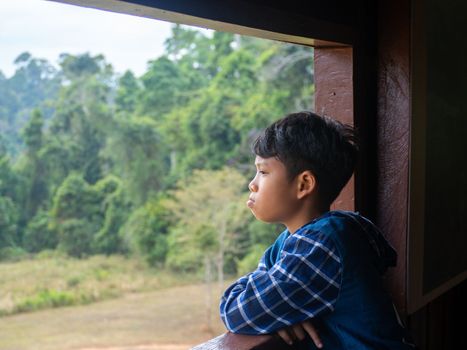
[(56, 281), (167, 319)]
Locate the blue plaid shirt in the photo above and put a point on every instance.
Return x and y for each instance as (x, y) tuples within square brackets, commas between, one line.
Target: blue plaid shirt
[(303, 283)]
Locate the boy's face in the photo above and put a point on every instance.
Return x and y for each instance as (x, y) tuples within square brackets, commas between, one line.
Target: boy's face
[(273, 198)]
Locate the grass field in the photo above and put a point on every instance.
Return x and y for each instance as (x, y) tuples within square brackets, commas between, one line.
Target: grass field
[(168, 319), (112, 303), (54, 281)]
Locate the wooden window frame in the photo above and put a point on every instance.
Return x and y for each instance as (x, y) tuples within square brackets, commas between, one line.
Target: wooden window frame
[(357, 81)]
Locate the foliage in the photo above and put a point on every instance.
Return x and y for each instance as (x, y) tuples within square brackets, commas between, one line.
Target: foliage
[(13, 254), (127, 93), (115, 208), (38, 236), (8, 219), (87, 217), (147, 154), (145, 232), (92, 162), (47, 298), (207, 210), (31, 167), (35, 83)]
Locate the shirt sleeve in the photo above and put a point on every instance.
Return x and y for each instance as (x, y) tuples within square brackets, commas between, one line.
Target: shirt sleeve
[(304, 283)]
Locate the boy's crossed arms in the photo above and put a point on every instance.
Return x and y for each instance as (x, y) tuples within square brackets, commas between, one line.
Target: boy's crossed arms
[(303, 284)]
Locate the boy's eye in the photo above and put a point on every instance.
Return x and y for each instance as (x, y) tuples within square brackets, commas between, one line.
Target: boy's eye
[(262, 172)]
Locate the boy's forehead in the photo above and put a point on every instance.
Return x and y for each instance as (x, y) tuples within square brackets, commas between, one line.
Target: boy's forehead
[(266, 161), (261, 161)]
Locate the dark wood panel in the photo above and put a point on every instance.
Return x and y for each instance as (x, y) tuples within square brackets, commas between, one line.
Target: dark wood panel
[(446, 144), (438, 183), (393, 121), (441, 323)]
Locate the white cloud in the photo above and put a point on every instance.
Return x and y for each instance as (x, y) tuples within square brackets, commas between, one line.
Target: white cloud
[(46, 29)]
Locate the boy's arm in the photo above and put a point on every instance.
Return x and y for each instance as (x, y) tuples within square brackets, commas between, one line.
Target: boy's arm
[(303, 284)]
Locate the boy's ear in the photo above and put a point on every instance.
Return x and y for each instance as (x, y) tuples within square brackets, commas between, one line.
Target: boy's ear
[(306, 184)]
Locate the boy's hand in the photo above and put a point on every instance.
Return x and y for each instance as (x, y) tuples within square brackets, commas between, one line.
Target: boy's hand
[(298, 331)]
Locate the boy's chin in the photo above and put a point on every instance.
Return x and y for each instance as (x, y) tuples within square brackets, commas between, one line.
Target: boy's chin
[(262, 218)]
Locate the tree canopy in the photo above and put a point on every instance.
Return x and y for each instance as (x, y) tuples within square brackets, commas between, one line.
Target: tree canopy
[(94, 162)]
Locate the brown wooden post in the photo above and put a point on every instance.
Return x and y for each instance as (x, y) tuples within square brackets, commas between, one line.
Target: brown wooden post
[(334, 98), (393, 132)]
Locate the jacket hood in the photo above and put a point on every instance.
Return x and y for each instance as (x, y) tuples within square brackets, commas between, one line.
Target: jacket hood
[(384, 254)]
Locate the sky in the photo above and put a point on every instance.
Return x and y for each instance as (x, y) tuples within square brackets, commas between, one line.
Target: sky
[(46, 29)]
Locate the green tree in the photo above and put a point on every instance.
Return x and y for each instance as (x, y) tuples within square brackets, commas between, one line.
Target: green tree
[(37, 235), (32, 167), (252, 83), (145, 232), (89, 215), (83, 66), (208, 209), (11, 194), (8, 220), (201, 133), (78, 127), (76, 215), (128, 93), (11, 183), (138, 155), (103, 145), (116, 208), (161, 88), (33, 85)]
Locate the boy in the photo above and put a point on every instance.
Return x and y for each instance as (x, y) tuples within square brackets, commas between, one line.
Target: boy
[(323, 273)]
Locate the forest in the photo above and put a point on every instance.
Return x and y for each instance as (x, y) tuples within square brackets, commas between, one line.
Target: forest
[(157, 166)]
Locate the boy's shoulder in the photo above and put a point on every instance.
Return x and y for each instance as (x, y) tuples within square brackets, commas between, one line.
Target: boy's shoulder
[(347, 229)]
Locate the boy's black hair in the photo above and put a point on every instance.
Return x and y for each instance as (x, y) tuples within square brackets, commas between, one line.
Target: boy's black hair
[(306, 141)]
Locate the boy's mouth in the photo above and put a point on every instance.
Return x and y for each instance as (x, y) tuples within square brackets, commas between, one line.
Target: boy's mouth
[(250, 202)]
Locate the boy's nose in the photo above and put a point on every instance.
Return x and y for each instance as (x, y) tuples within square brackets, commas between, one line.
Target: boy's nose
[(252, 186)]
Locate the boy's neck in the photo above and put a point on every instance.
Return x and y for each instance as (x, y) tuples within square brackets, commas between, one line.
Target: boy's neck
[(303, 218)]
